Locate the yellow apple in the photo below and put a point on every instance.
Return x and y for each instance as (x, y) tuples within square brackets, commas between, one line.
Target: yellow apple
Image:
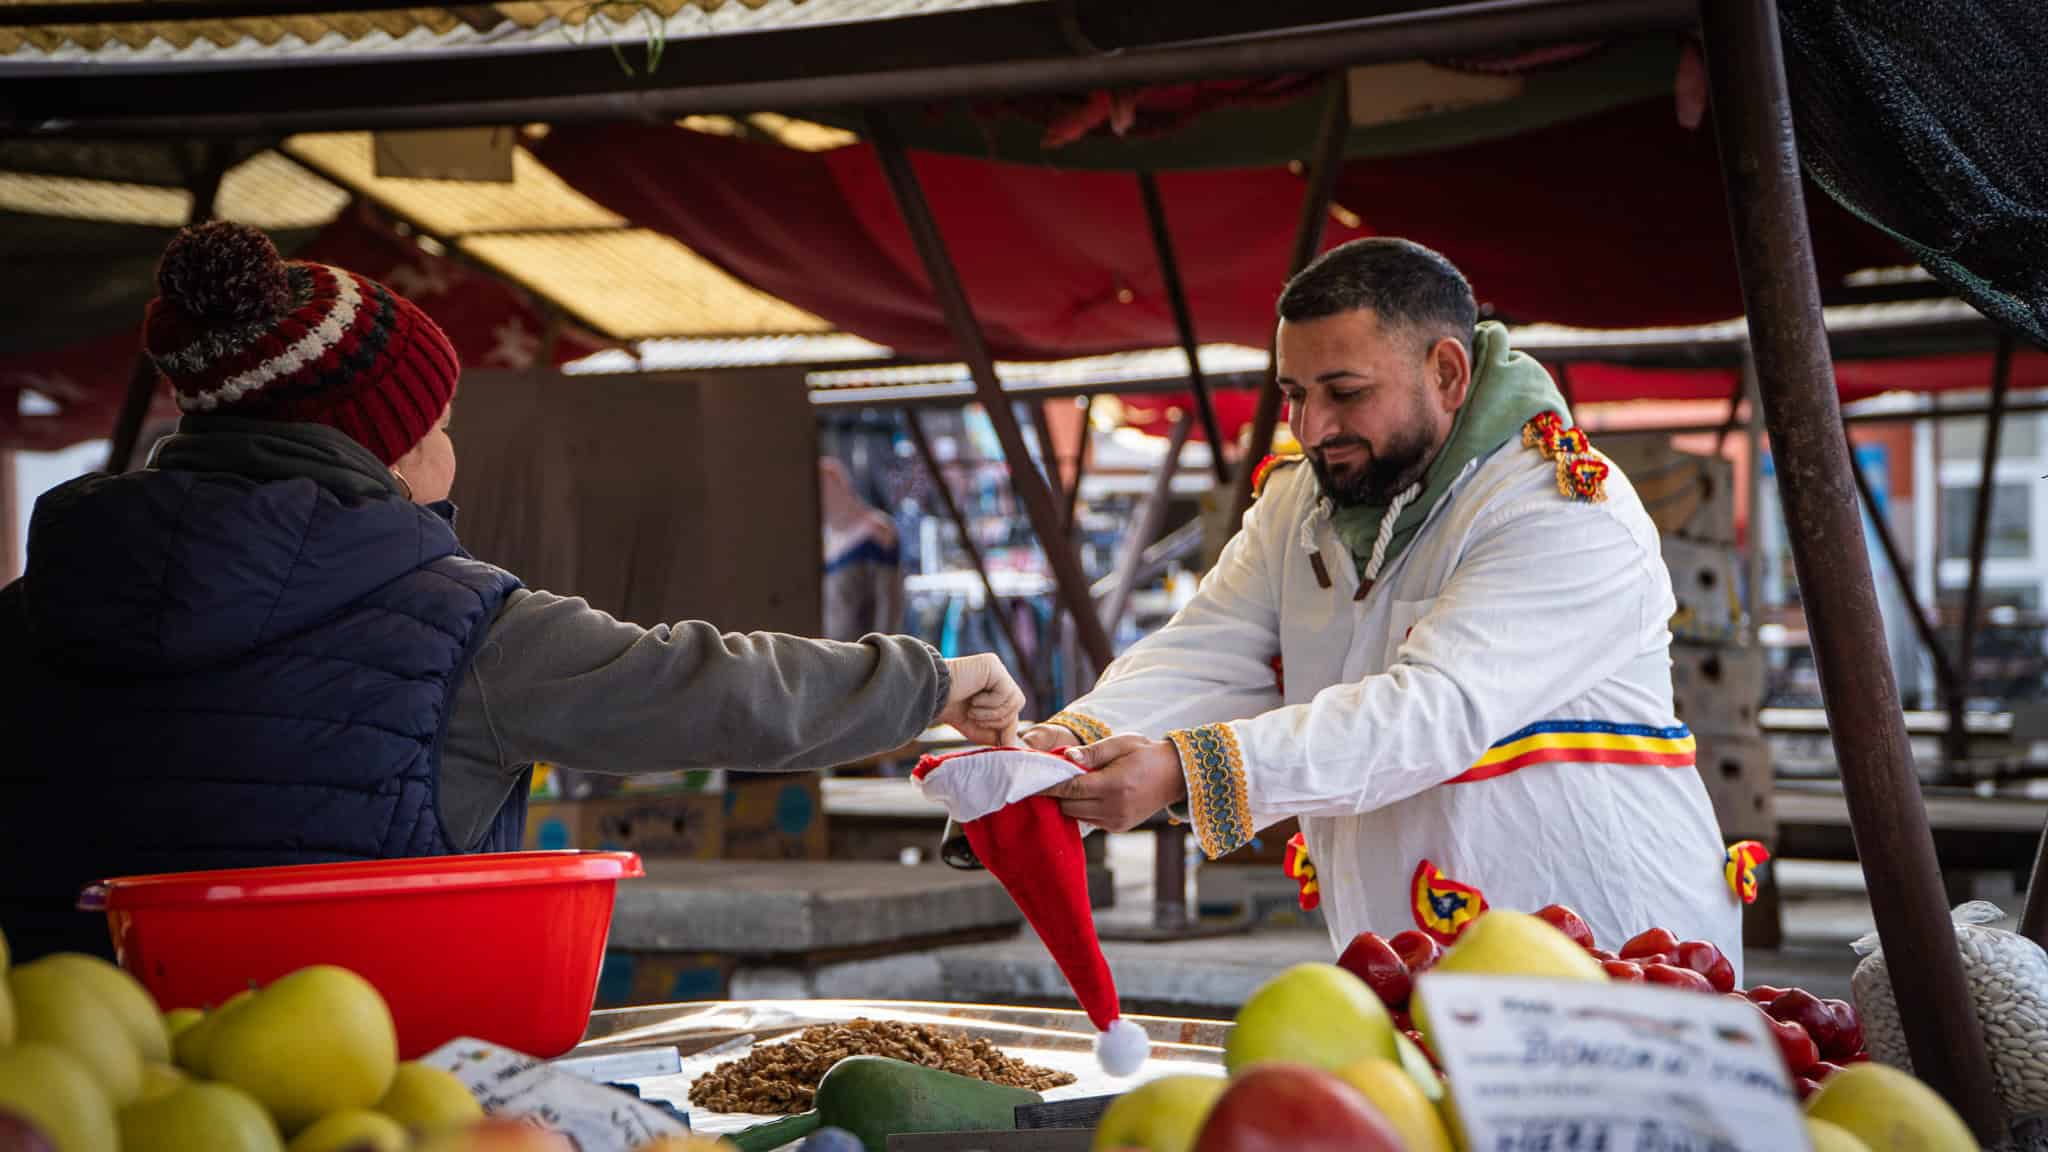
[(1828, 1137), (317, 1041), (52, 1006), (124, 996), (59, 1096), (158, 1081), (1888, 1109), (179, 1019), (1507, 943), (1163, 1115), (426, 1099), (192, 1046), (350, 1128), (1314, 1014), (1389, 1088), (199, 1118)]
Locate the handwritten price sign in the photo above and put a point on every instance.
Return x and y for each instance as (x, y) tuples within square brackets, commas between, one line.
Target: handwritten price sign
[(1556, 1066)]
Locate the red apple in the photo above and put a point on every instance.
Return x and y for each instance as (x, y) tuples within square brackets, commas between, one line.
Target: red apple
[(1372, 960), (1651, 943), (1763, 994), (1809, 1012), (1417, 950), (1848, 1037), (1601, 954), (1294, 1108), (1708, 961), (1568, 922), (1822, 1070), (1676, 977), (1806, 1087), (1796, 1045), (1623, 971), (18, 1135), (1402, 1021), (1860, 1057)]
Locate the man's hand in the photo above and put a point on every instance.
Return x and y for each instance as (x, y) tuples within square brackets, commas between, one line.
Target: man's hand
[(984, 702), (1129, 779), (1049, 737)]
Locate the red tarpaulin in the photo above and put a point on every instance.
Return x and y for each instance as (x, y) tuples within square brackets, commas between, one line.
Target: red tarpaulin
[(491, 324), (1611, 221)]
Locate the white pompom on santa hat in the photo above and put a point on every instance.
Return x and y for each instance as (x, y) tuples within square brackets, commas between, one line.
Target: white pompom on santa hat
[(1034, 849)]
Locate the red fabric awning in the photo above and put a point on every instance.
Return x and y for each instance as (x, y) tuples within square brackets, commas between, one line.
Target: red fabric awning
[(1614, 220)]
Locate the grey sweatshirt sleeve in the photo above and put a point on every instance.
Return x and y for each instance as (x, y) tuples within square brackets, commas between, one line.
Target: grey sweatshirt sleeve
[(559, 681)]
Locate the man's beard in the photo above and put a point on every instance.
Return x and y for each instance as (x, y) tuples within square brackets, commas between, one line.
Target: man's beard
[(1387, 471)]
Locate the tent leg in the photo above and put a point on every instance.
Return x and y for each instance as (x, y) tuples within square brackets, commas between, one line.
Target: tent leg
[(1183, 322), (1957, 740), (1795, 375), (1030, 486), (1308, 240)]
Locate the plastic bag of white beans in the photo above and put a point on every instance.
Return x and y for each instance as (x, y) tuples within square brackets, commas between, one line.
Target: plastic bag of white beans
[(2008, 979)]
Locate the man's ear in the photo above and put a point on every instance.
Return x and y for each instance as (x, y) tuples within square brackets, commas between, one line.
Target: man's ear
[(1450, 373)]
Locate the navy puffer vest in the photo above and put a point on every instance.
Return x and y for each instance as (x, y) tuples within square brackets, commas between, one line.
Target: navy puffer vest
[(228, 672)]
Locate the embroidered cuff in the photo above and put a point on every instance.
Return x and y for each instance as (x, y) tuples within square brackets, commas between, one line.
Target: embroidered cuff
[(1087, 729), (1217, 799)]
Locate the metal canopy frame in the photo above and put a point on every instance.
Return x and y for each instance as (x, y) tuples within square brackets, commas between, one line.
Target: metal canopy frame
[(1753, 125)]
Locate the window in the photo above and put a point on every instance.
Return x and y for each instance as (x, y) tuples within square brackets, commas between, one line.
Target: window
[(2011, 528), (1963, 438)]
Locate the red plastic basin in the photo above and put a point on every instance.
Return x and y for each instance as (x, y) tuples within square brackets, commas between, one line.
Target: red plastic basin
[(503, 947)]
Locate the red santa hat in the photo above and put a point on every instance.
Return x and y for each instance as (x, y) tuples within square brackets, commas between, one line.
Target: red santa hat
[(1035, 850)]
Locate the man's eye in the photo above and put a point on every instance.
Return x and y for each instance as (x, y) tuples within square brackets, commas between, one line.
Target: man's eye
[(1347, 396)]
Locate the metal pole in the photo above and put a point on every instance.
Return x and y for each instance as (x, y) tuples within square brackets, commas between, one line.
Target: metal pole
[(1895, 559), (1083, 449), (1183, 320), (1958, 737), (142, 378), (1491, 26), (1308, 240), (1752, 495), (1145, 526), (1048, 457), (2034, 921), (996, 606), (1071, 582), (1735, 398), (1760, 162)]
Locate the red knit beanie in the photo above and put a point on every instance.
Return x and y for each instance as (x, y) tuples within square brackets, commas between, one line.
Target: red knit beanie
[(236, 329)]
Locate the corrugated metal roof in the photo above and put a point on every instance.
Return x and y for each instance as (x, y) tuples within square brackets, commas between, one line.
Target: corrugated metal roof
[(428, 31), (635, 283), (740, 352), (266, 190)]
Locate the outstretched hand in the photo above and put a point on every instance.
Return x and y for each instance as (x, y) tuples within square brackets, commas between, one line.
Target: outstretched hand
[(984, 701), (1128, 780)]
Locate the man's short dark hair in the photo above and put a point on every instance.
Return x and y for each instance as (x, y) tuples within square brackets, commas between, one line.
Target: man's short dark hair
[(1407, 285)]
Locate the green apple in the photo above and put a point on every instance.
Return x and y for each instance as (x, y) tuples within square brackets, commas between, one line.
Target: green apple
[(53, 1006), (1313, 1014), (1419, 1068), (124, 996), (1886, 1108), (426, 1099), (192, 1044), (199, 1118), (57, 1094), (1164, 1115), (1507, 943)]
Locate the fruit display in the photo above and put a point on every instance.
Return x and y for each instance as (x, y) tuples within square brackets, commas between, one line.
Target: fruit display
[(308, 1063), (1310, 1067)]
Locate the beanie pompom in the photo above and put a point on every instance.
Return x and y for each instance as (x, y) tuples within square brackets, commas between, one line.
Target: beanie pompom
[(221, 274), (1122, 1048)]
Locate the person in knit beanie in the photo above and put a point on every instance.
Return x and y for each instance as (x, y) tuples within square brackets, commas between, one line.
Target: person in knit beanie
[(268, 647)]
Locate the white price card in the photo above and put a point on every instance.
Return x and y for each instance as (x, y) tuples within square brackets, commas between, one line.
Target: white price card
[(517, 1086), (1559, 1066)]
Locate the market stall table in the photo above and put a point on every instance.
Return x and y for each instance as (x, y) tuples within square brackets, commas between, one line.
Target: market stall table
[(709, 1034)]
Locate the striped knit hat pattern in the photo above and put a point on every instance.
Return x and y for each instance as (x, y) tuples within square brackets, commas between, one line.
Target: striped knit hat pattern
[(238, 330)]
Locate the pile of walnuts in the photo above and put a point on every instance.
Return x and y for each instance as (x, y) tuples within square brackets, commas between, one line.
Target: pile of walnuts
[(779, 1079)]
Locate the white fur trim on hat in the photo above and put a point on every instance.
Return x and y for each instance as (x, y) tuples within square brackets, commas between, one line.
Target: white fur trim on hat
[(970, 785), (1122, 1048)]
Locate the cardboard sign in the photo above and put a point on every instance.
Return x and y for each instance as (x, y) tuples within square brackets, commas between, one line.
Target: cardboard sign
[(1562, 1067), (517, 1086)]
